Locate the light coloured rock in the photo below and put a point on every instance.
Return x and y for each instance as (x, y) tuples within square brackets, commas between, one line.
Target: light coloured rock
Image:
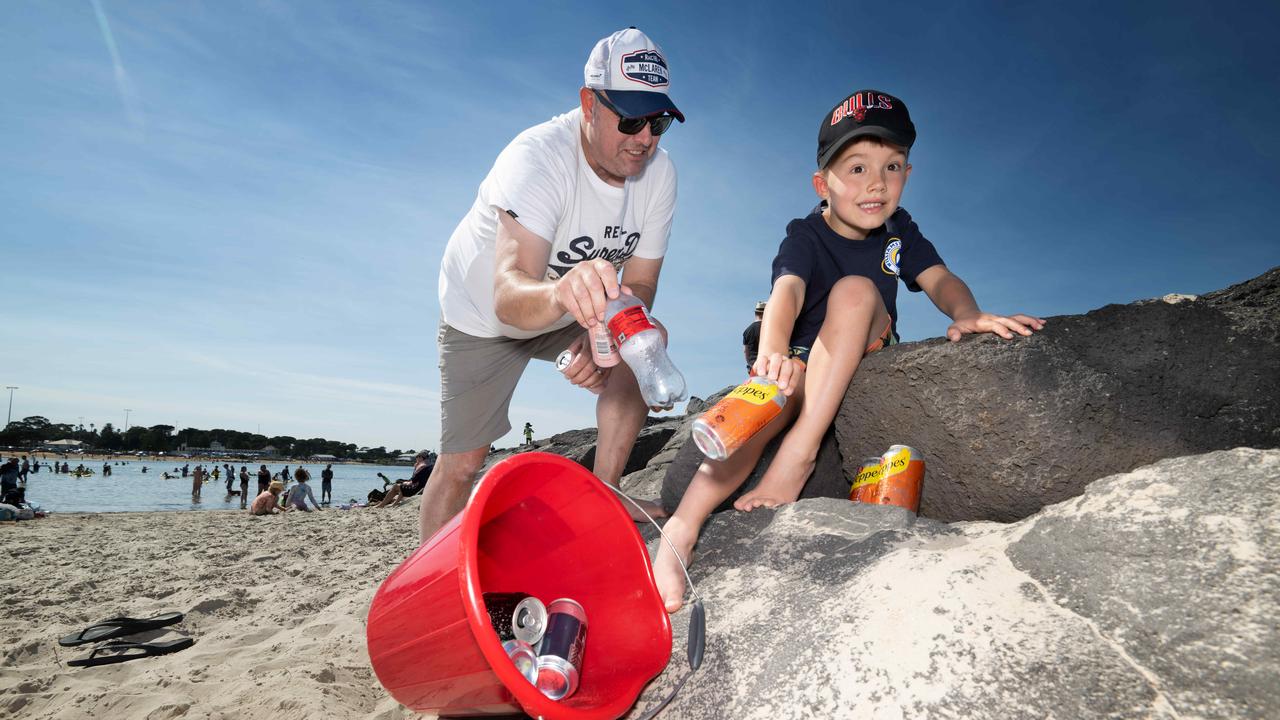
[(1155, 594)]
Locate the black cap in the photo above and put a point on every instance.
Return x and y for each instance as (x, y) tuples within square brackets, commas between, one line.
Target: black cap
[(865, 112)]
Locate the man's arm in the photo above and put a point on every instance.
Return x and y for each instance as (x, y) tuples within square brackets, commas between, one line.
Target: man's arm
[(952, 296), (524, 300), (640, 276)]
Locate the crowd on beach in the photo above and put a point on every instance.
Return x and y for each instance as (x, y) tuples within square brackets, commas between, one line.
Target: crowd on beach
[(278, 491)]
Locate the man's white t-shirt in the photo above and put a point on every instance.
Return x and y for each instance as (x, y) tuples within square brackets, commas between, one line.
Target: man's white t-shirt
[(543, 177)]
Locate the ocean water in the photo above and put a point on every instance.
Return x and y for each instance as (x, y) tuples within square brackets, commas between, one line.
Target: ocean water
[(128, 489)]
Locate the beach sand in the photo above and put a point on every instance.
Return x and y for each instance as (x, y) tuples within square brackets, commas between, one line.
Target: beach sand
[(276, 605)]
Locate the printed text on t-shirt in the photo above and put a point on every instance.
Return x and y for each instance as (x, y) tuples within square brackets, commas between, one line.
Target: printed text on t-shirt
[(584, 248)]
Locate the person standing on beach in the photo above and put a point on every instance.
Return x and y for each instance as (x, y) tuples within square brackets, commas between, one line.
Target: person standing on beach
[(326, 485), (264, 479), (244, 486), (197, 480), (184, 470), (528, 433), (751, 337), (534, 261)]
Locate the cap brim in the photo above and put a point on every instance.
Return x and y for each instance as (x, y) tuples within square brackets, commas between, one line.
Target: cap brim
[(882, 133), (640, 103)]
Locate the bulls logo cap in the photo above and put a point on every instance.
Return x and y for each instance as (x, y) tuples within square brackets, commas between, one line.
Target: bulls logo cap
[(865, 112), (632, 71)]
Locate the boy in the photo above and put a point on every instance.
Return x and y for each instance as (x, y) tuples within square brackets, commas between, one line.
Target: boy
[(833, 301)]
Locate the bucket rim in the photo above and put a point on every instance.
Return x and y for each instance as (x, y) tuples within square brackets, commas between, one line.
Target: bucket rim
[(527, 696)]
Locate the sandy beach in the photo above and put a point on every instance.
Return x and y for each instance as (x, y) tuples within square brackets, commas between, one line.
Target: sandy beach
[(276, 606)]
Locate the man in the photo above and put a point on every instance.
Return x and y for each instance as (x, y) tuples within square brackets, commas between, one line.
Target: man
[(405, 489), (326, 485), (751, 337), (264, 479), (565, 205), (244, 485)]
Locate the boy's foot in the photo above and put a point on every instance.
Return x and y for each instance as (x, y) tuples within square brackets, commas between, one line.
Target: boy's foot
[(654, 509), (666, 570), (781, 483)]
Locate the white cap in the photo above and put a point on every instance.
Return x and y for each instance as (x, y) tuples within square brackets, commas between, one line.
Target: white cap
[(632, 71)]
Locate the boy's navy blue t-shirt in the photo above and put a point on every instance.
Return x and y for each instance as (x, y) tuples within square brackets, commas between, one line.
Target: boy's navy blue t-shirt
[(813, 252)]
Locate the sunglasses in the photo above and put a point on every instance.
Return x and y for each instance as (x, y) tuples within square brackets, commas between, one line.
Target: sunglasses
[(658, 124)]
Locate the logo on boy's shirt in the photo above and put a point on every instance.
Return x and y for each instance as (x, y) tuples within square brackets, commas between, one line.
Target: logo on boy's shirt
[(645, 66), (858, 105), (891, 251), (585, 247)]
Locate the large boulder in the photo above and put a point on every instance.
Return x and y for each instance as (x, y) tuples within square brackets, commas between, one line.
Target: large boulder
[(1155, 594), (1007, 427)]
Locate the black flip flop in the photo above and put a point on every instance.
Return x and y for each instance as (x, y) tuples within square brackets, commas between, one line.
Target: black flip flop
[(121, 651), (119, 627)]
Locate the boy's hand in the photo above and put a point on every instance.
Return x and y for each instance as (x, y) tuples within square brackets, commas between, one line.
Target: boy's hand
[(1001, 325), (782, 369)]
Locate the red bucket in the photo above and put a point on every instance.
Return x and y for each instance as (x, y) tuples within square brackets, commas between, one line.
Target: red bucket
[(540, 524)]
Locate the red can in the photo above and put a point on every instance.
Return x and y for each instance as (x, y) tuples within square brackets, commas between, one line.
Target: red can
[(894, 478), (560, 654)]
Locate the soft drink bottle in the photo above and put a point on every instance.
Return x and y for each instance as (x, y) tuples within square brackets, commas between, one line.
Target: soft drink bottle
[(640, 345)]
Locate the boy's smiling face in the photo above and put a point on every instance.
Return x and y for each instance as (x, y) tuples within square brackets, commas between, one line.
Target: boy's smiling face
[(862, 186)]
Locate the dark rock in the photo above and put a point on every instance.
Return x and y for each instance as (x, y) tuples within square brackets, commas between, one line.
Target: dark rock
[(1007, 427), (580, 445), (1156, 594)]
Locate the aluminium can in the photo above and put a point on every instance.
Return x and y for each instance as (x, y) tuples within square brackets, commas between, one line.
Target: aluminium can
[(516, 616), (560, 656)]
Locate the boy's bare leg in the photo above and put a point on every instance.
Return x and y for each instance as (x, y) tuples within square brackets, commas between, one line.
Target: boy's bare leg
[(620, 414), (711, 484), (447, 489), (855, 313)]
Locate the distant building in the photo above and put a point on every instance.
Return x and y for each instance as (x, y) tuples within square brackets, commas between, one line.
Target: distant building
[(323, 458), (64, 445)]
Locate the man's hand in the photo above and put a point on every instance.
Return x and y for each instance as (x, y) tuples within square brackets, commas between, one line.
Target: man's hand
[(583, 371), (786, 371), (1001, 325), (585, 290)]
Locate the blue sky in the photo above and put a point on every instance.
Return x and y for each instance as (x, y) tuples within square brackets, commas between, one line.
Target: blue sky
[(229, 214)]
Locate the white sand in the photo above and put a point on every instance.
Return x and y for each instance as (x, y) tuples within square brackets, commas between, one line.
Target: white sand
[(276, 605)]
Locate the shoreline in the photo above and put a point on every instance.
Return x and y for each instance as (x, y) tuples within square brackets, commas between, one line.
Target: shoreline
[(183, 459)]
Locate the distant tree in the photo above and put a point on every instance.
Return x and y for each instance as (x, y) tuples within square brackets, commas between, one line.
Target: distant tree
[(109, 439), (26, 432)]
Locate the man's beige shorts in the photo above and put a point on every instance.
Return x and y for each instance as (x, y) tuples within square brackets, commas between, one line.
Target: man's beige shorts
[(478, 376)]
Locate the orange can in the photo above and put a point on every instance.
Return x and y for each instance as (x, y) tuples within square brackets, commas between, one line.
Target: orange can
[(894, 478), (741, 414)]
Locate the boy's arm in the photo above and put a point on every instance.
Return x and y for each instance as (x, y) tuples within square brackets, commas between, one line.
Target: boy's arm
[(949, 293), (780, 313)]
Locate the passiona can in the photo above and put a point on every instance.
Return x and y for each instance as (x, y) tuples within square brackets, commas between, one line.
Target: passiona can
[(894, 478), (730, 423), (560, 656)]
